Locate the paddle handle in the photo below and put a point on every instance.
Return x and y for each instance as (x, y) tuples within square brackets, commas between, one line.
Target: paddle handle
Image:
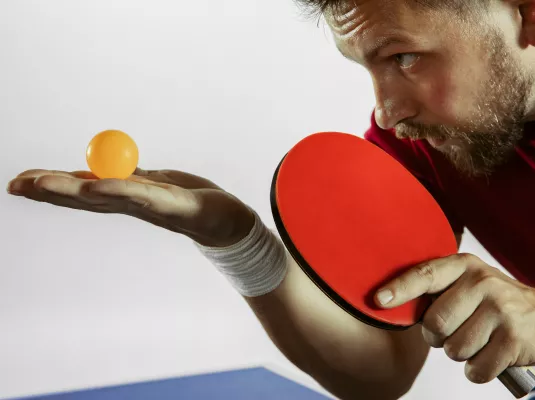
[(518, 380)]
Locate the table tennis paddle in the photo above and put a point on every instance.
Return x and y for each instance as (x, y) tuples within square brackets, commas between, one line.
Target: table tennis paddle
[(353, 218)]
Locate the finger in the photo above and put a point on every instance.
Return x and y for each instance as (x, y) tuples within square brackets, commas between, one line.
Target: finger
[(450, 310), (178, 178), (112, 195), (35, 173), (38, 172), (113, 191), (27, 180), (32, 189), (22, 180), (161, 199), (472, 336), (21, 185), (430, 277), (131, 197), (84, 175), (490, 362), (58, 189), (66, 202), (140, 179), (27, 184)]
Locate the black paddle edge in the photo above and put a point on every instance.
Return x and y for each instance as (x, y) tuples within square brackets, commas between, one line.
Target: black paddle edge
[(307, 269)]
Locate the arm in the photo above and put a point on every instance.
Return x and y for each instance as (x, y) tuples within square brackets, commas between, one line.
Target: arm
[(350, 359), (333, 347)]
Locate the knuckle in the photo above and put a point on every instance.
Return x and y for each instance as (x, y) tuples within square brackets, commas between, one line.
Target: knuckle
[(431, 339), (502, 305), (103, 185), (456, 351), (509, 336), (481, 275), (470, 261), (436, 324), (468, 257), (40, 182), (402, 285), (485, 279), (508, 309), (31, 172), (426, 271), (452, 352)]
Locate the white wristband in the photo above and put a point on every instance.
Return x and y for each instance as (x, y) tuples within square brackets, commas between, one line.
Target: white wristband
[(256, 265)]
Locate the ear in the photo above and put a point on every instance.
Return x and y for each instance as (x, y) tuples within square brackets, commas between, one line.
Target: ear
[(527, 12)]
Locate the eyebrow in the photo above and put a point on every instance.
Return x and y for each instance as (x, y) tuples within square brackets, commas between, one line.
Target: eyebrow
[(371, 53)]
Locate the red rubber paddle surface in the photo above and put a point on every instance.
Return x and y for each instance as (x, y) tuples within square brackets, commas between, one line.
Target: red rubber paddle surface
[(357, 218)]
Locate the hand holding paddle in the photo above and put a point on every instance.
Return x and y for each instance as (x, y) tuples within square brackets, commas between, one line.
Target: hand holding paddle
[(356, 221), (481, 316)]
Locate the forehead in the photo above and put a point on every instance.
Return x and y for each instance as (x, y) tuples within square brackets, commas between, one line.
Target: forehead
[(359, 25)]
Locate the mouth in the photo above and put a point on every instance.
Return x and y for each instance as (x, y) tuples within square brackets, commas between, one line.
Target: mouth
[(447, 144), (437, 142)]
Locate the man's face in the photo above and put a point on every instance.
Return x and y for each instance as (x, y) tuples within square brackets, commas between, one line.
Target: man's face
[(450, 80)]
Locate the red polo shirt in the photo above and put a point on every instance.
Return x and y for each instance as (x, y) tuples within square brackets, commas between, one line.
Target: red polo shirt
[(498, 211)]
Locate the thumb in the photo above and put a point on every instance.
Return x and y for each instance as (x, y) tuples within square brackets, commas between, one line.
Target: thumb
[(140, 172)]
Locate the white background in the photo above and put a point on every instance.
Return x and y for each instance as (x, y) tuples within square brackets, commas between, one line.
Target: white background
[(220, 88)]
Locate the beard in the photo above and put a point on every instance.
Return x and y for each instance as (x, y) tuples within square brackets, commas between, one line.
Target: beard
[(491, 135)]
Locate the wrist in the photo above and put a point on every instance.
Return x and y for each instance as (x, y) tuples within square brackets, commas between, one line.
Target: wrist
[(228, 231), (255, 265), (242, 227)]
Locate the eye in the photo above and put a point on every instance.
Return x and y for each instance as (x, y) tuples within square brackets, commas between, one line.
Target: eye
[(406, 60)]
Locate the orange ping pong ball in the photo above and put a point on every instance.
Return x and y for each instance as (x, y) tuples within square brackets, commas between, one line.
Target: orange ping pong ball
[(112, 154)]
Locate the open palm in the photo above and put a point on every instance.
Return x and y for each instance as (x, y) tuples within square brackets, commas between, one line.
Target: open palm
[(174, 200)]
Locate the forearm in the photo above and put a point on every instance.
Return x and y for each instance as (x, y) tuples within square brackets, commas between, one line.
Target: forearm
[(350, 359)]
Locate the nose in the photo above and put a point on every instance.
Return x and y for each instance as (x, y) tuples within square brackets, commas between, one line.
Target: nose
[(393, 104)]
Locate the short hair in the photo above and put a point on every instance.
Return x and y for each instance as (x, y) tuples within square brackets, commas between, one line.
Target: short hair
[(318, 7)]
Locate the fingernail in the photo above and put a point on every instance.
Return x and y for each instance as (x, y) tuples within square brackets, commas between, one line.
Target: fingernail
[(385, 296), (11, 188)]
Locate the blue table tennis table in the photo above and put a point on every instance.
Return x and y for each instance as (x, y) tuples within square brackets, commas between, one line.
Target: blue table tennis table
[(244, 384)]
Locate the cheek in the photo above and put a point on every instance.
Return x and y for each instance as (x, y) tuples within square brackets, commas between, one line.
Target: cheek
[(465, 87), (451, 94), (440, 97)]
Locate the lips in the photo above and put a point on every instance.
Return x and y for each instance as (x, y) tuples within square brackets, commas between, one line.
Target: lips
[(436, 142)]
